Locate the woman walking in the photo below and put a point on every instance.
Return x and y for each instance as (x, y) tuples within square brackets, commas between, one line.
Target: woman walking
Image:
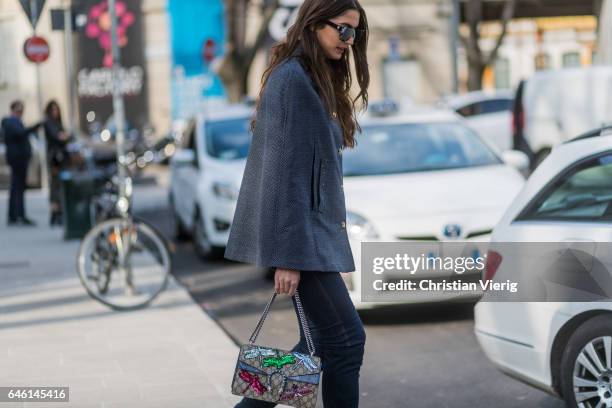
[(291, 212), (57, 157)]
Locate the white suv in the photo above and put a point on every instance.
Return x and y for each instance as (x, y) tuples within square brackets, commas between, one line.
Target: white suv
[(562, 347), (206, 172)]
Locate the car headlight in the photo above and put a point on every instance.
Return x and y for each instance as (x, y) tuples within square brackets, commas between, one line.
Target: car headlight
[(359, 227), (225, 190)]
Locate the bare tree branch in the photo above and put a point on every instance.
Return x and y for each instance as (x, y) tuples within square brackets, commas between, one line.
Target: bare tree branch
[(477, 62), (236, 64), (262, 35), (507, 15), (474, 17)]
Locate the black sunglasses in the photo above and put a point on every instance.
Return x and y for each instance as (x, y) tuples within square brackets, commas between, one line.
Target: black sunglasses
[(346, 32)]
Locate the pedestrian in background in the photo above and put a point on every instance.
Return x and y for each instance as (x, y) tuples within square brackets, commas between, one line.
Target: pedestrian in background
[(57, 157), (291, 212), (18, 154)]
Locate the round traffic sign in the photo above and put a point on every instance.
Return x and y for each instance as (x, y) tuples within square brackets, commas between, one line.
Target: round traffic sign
[(36, 49)]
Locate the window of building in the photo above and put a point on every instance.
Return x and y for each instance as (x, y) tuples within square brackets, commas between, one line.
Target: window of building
[(571, 59), (543, 61)]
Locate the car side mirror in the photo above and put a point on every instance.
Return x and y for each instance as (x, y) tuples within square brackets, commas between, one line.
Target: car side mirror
[(184, 157), (516, 159)]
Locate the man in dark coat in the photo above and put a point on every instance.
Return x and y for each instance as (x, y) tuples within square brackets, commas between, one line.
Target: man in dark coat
[(18, 153)]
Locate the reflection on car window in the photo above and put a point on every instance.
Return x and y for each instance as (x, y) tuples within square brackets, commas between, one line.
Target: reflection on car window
[(583, 194), (386, 149), (228, 139), (496, 105), (484, 107), (469, 110)]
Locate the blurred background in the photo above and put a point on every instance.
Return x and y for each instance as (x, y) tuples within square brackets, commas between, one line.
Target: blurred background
[(178, 55)]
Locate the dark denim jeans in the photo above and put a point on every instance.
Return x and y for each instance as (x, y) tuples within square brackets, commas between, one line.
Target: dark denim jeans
[(19, 173), (338, 336)]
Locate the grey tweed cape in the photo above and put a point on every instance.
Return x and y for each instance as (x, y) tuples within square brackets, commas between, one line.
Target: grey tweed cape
[(291, 211)]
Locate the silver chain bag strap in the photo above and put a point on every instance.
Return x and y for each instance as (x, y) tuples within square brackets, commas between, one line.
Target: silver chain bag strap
[(274, 375)]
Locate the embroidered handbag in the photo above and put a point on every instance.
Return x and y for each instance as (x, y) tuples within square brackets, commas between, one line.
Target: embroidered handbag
[(280, 376)]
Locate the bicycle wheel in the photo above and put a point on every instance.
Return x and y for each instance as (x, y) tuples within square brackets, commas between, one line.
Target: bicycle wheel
[(123, 263)]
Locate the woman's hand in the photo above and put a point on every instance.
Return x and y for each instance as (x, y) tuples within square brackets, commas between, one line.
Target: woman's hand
[(286, 281)]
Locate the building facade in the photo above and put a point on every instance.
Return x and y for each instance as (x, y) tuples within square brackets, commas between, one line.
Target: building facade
[(536, 44), (409, 51), (409, 56), (145, 53)]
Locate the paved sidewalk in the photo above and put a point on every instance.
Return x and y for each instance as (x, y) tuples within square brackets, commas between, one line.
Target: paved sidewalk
[(52, 334)]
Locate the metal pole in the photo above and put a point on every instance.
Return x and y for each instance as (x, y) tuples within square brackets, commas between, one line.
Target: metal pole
[(118, 111), (69, 67), (125, 183), (454, 44), (44, 171)]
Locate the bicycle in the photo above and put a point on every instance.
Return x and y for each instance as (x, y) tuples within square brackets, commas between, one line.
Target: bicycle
[(123, 262)]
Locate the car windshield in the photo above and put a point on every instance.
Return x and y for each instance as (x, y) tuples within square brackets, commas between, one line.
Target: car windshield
[(401, 148), (228, 139)]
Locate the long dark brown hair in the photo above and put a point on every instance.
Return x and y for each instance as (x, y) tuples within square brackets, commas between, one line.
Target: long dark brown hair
[(49, 111), (332, 78)]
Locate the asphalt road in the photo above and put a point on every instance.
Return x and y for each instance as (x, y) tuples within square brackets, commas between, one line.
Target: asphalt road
[(425, 357)]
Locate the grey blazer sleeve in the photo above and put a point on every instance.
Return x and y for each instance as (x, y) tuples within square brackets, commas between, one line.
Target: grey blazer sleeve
[(276, 216)]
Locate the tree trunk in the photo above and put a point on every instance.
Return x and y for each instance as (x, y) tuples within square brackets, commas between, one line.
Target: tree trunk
[(236, 64), (232, 78), (477, 62), (475, 73)]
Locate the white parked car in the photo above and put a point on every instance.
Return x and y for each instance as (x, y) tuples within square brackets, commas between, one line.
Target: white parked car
[(206, 172), (555, 105), (562, 347), (424, 175), (488, 112)]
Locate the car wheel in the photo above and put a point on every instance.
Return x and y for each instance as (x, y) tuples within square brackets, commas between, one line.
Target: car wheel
[(586, 365), (203, 247), (180, 232)]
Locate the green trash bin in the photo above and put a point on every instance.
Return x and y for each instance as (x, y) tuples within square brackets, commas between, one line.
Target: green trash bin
[(78, 188)]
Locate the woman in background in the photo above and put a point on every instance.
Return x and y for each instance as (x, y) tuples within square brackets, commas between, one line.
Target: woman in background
[(57, 157)]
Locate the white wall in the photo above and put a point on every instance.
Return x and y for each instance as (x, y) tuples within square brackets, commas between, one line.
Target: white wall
[(605, 33)]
